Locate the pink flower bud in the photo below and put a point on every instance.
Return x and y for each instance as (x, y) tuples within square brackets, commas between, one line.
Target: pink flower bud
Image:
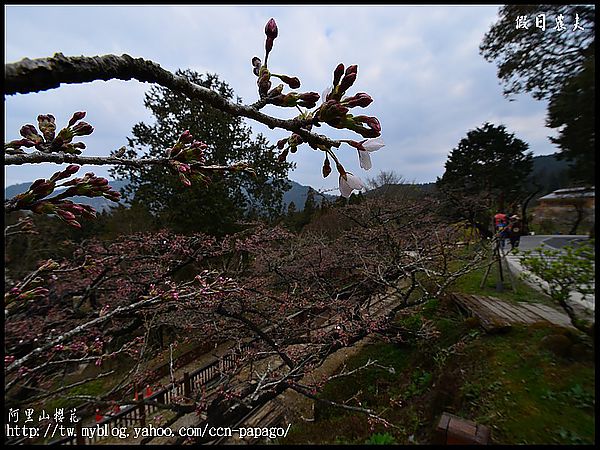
[(76, 116), (292, 82), (281, 143), (82, 129), (326, 168), (271, 29), (66, 215), (46, 124), (71, 169), (20, 143), (347, 81), (43, 189), (30, 133), (337, 74), (99, 182), (361, 99), (308, 99), (186, 137)]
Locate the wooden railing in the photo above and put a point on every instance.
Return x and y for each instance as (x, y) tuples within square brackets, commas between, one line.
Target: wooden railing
[(135, 415)]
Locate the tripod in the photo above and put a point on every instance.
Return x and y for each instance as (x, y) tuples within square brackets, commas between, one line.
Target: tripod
[(497, 256)]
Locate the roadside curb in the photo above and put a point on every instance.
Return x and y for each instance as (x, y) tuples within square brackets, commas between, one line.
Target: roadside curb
[(586, 304)]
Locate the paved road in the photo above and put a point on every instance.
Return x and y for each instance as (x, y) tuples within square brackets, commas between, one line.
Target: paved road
[(554, 242)]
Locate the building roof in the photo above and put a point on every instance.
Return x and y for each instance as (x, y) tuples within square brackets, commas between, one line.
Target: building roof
[(570, 193)]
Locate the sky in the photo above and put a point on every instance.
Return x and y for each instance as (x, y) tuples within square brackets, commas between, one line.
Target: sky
[(420, 64)]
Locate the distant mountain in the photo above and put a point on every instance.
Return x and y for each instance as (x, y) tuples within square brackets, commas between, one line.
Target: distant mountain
[(405, 190), (548, 174), (297, 194), (98, 203)]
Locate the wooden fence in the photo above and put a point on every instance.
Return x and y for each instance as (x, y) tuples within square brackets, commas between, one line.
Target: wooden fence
[(135, 415)]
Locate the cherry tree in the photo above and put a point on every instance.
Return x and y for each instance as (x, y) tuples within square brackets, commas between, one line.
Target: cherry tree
[(294, 299)]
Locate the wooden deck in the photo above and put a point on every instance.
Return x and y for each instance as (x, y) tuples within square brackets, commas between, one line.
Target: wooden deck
[(496, 315)]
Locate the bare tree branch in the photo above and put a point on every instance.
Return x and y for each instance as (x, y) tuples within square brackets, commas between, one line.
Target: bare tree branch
[(34, 75)]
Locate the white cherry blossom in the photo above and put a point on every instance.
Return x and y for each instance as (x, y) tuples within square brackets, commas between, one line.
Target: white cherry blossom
[(349, 184), (368, 145)]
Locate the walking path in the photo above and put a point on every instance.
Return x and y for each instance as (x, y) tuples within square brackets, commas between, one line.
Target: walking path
[(496, 315)]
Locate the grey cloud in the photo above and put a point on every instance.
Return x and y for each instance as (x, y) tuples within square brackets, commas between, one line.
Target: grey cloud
[(420, 64)]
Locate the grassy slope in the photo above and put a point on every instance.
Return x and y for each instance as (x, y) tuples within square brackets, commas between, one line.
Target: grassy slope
[(509, 382)]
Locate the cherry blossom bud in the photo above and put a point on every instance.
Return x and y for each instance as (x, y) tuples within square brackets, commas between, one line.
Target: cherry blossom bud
[(331, 112), (82, 129), (30, 133), (99, 182), (308, 99), (268, 47), (353, 69), (76, 116), (295, 139), (43, 189), (36, 184), (20, 143), (326, 167), (347, 81), (361, 99), (372, 122), (281, 143), (71, 169), (292, 82), (337, 74), (186, 137), (271, 29), (199, 144), (373, 130), (90, 213), (46, 124), (66, 215)]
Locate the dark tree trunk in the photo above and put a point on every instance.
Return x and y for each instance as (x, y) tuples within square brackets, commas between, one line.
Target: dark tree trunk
[(579, 210), (524, 219)]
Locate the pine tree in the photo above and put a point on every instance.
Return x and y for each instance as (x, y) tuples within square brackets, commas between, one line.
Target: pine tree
[(218, 206)]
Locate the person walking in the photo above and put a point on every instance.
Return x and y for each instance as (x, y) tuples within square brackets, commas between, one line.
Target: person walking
[(500, 224), (514, 231)]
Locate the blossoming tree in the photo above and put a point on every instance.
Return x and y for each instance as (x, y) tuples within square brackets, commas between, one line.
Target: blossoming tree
[(294, 300)]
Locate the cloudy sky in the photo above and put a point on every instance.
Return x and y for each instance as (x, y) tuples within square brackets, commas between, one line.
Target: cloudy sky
[(421, 65)]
